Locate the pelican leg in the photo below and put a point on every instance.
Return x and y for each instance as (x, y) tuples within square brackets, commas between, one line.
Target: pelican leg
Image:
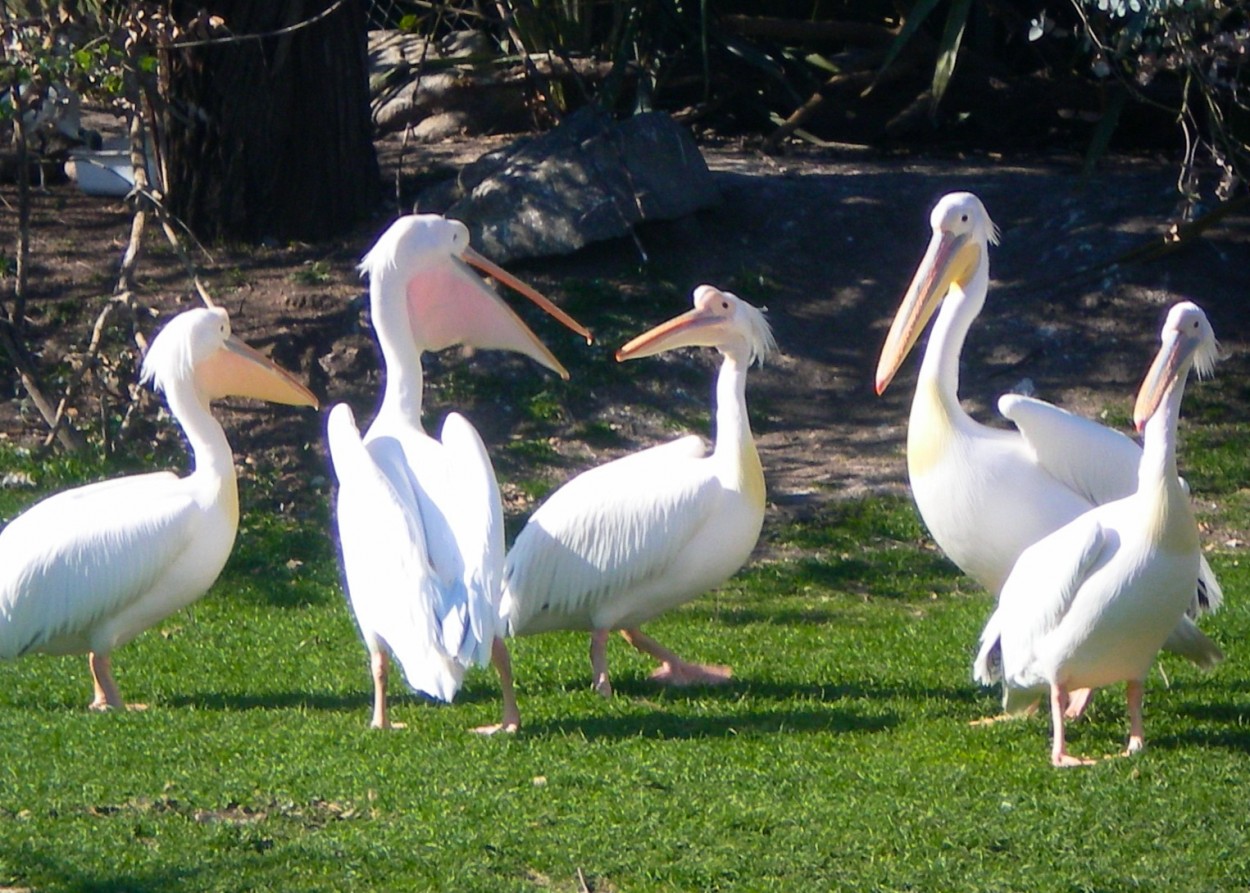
[(107, 695), (1077, 702), (379, 663), (599, 662), (502, 662), (1059, 755), (1136, 731), (673, 670)]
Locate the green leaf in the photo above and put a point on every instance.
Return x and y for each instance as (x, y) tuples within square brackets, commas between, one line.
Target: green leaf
[(948, 50), (914, 20), (1106, 127)]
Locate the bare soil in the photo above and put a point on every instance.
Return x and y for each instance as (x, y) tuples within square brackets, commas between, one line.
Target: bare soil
[(827, 240)]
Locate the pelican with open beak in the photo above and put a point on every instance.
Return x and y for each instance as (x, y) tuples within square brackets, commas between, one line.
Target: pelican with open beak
[(420, 519)]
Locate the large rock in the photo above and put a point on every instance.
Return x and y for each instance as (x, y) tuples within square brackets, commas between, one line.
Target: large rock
[(592, 178)]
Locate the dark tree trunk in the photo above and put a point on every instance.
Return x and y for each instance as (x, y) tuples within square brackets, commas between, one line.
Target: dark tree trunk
[(271, 138)]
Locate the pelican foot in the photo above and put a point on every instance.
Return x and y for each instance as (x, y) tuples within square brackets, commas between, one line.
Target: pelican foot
[(105, 707), (508, 728), (1078, 700), (1067, 761), (604, 687), (1136, 744), (993, 720), (682, 674)]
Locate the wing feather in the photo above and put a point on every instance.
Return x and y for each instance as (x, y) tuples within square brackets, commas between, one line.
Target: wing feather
[(607, 532), (389, 579), (1037, 595), (82, 556), (1092, 460), (473, 511), (1096, 462)]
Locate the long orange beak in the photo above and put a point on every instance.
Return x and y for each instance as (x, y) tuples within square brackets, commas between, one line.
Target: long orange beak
[(1168, 365), (949, 261), (694, 328), (492, 269), (237, 370)]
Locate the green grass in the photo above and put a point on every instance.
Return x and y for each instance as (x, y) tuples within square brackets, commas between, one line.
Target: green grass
[(840, 757)]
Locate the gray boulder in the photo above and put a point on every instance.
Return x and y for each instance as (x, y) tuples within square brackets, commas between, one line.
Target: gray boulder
[(592, 178)]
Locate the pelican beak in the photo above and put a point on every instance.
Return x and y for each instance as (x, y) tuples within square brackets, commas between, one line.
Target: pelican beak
[(494, 270), (1164, 371), (949, 261), (237, 370), (455, 305), (694, 328)]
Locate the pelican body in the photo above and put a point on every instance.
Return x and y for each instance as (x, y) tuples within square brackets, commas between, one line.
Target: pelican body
[(986, 494), (88, 569), (624, 542), (419, 518), (1092, 603)]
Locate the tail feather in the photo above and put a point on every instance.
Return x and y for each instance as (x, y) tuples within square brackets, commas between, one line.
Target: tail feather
[(1193, 644)]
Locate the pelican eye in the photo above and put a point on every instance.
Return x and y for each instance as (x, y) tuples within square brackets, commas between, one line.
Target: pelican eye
[(724, 305), (964, 218)]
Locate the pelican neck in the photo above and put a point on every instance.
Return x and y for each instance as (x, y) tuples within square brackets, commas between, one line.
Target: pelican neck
[(210, 450), (401, 354), (940, 366)]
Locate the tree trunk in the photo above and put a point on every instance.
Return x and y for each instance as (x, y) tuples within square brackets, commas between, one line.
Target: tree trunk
[(269, 138)]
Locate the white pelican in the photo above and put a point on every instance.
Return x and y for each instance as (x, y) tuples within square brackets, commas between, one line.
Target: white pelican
[(1092, 603), (985, 493), (88, 569), (420, 521), (624, 542)]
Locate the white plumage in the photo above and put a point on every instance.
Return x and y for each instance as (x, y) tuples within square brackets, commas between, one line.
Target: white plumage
[(89, 569), (1092, 603), (624, 542), (420, 521), (985, 493)]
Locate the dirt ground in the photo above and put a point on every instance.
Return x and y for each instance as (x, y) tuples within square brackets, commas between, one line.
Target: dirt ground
[(827, 240)]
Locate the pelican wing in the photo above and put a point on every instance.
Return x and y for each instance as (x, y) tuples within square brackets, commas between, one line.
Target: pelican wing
[(79, 557), (608, 531), (470, 505), (1096, 462), (393, 589), (1037, 595), (1092, 460)]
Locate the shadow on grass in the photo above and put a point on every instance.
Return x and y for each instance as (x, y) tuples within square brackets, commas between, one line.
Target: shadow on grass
[(669, 726), (285, 700), (45, 872)]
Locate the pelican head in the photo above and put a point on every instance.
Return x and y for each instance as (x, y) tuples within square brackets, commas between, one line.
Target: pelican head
[(429, 259), (196, 346), (1187, 340), (962, 232), (719, 319)]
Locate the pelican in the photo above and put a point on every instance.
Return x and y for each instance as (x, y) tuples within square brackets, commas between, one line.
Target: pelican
[(624, 542), (88, 569), (1092, 603), (420, 521), (985, 493)]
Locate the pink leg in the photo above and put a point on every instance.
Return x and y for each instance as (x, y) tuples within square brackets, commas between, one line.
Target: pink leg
[(502, 662), (1059, 755), (599, 662), (673, 670), (107, 695), (379, 663), (1077, 702), (1136, 732)]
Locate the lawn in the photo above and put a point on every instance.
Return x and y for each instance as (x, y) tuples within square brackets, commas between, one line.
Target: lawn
[(841, 757)]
